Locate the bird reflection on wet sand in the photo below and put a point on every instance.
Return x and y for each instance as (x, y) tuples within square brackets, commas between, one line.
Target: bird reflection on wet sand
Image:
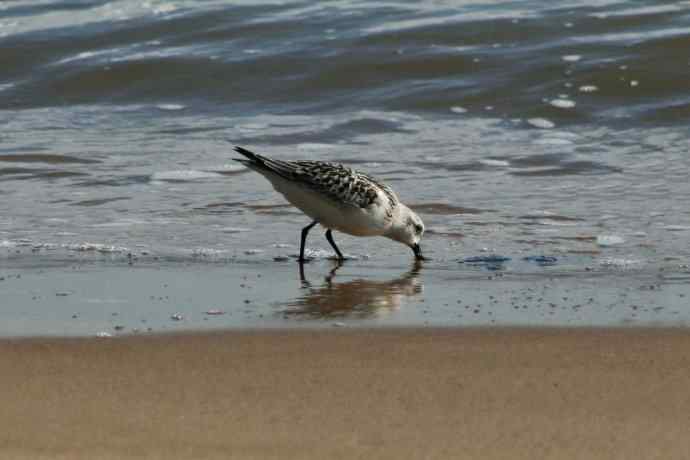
[(358, 298)]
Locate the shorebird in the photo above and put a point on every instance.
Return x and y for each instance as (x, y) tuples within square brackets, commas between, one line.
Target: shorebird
[(339, 198)]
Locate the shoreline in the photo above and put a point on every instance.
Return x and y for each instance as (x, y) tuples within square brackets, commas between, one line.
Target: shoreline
[(344, 393), (344, 329), (95, 298)]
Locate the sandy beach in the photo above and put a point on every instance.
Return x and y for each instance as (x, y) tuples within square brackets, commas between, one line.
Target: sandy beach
[(387, 393)]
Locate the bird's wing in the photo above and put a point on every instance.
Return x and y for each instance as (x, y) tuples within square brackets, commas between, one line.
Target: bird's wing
[(341, 184), (391, 197)]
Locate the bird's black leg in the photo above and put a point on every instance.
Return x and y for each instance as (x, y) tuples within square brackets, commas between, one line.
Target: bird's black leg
[(305, 230), (329, 237)]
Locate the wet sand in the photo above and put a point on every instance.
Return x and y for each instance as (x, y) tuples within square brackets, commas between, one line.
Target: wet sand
[(339, 393), (87, 295)]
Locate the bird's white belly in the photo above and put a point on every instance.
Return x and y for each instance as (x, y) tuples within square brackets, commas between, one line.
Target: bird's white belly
[(347, 219)]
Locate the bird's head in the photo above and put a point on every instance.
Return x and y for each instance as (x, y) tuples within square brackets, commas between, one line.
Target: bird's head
[(407, 228)]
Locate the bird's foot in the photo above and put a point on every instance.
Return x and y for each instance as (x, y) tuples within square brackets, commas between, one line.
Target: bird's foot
[(304, 260)]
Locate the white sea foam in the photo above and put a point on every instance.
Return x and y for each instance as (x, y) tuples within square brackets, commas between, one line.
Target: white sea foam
[(83, 55), (553, 141), (641, 10), (230, 167), (632, 37), (22, 242), (105, 55), (435, 19), (163, 8), (491, 162), (616, 262), (45, 246), (458, 109), (95, 247), (170, 106), (588, 88), (322, 254), (609, 240), (162, 52), (208, 252), (127, 108), (542, 123), (571, 57), (562, 103), (253, 126), (556, 223)]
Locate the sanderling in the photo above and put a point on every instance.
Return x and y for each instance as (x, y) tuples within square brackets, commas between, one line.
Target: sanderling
[(339, 198)]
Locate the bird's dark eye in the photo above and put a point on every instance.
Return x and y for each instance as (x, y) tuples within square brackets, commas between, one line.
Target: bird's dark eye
[(417, 228)]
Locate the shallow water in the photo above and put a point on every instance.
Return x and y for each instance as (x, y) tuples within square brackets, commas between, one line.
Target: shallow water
[(104, 296), (528, 128)]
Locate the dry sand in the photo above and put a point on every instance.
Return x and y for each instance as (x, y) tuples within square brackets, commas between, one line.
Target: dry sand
[(417, 394)]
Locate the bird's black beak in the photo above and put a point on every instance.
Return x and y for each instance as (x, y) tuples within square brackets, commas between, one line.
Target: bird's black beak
[(418, 252)]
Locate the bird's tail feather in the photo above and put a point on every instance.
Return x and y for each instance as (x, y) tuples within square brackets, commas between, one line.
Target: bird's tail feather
[(247, 153), (282, 168)]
